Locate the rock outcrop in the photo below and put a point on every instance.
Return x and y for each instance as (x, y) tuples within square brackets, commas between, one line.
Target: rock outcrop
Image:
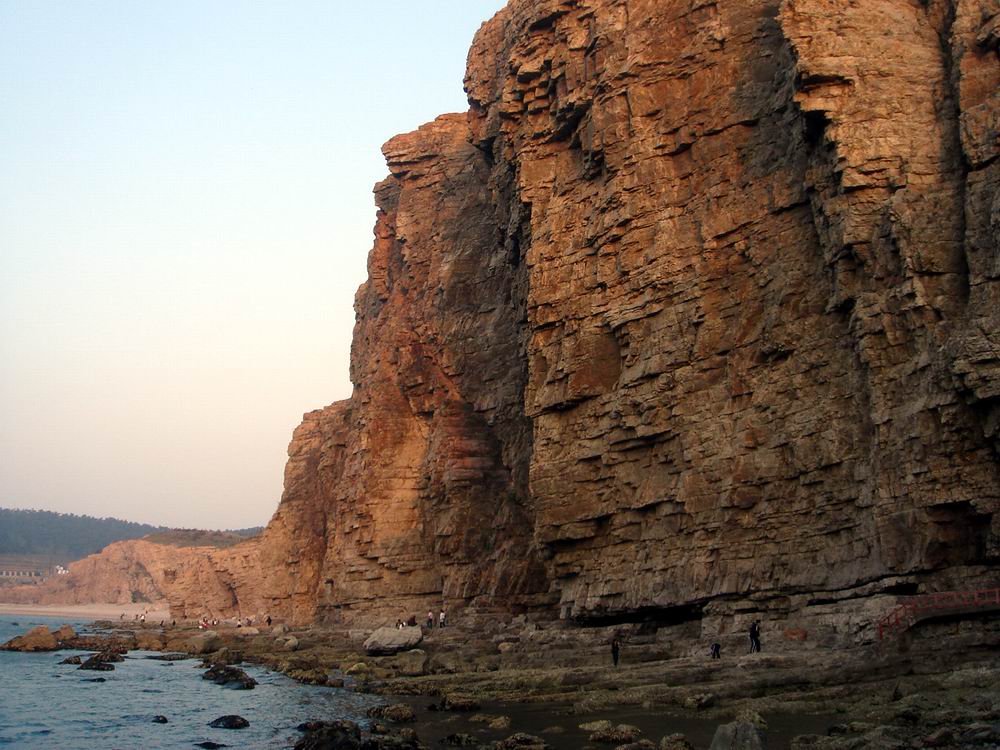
[(699, 302), (122, 573)]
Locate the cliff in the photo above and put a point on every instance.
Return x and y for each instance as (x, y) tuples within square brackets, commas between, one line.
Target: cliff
[(698, 304), (122, 573)]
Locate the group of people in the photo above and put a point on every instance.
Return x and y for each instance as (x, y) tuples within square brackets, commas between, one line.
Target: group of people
[(715, 650), (241, 622), (442, 620), (754, 633)]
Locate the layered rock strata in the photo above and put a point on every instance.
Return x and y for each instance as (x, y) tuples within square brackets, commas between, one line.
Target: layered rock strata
[(700, 301)]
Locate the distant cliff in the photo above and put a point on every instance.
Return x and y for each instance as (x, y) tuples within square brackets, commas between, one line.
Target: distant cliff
[(699, 304)]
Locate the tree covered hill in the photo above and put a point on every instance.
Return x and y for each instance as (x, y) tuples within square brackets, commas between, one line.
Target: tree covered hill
[(66, 536)]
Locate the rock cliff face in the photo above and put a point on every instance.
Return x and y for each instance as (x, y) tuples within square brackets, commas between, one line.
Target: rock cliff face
[(700, 301), (122, 573)]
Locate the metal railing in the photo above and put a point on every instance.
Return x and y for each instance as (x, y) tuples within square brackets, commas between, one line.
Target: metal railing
[(921, 607)]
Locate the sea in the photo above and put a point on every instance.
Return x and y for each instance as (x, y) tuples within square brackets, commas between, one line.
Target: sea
[(44, 704)]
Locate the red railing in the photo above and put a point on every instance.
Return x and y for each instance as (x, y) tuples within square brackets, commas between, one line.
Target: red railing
[(926, 605)]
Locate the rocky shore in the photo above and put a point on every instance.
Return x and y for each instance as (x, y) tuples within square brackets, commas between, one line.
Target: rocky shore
[(492, 683)]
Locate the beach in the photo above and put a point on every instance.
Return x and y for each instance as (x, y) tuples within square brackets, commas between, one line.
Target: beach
[(89, 612)]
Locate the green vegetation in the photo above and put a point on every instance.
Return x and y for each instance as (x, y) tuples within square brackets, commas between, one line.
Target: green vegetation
[(66, 536)]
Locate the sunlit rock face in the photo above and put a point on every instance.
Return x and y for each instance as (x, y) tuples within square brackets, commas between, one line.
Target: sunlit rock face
[(699, 301)]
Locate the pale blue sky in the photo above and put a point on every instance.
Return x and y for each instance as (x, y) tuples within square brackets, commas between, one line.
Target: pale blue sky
[(185, 215)]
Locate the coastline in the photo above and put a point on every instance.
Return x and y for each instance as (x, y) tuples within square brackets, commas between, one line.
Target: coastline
[(88, 612), (516, 685)]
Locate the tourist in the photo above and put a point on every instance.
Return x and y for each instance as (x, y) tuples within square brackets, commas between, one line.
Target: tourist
[(716, 650), (268, 620), (755, 637), (399, 624), (616, 650), (442, 620), (430, 620)]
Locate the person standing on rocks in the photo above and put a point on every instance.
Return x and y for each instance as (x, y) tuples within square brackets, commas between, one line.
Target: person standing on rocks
[(755, 637), (616, 650), (716, 650), (442, 619), (430, 620)]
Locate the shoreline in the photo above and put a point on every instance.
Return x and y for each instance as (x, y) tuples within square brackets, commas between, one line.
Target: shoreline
[(495, 685), (88, 612)]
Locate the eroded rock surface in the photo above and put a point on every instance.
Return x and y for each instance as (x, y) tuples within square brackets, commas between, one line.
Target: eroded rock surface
[(699, 300)]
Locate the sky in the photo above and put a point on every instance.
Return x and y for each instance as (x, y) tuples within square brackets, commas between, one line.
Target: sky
[(185, 214)]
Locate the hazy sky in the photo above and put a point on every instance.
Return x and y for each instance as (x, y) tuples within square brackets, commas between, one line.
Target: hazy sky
[(185, 214)]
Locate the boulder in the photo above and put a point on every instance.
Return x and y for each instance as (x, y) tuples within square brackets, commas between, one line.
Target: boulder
[(146, 640), (203, 643), (97, 664), (601, 725), (65, 633), (456, 702), (234, 677), (209, 745), (522, 741), (675, 742), (411, 663), (330, 735), (621, 734), (391, 640), (291, 643), (459, 739), (397, 713), (638, 745), (72, 660), (36, 639), (230, 721), (739, 735), (160, 720)]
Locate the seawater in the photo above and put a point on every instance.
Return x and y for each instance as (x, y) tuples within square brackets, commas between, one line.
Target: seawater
[(44, 704)]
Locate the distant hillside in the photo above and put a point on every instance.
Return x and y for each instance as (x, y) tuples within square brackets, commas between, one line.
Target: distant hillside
[(66, 536), (198, 538)]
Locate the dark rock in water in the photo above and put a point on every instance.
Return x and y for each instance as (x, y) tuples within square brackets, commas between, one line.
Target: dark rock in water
[(233, 677), (72, 660), (169, 657), (95, 663), (459, 739), (230, 721), (209, 745), (16, 624), (160, 720), (330, 735), (95, 679), (459, 703), (522, 741)]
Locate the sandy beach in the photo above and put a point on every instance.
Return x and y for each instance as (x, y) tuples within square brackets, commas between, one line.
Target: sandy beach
[(89, 612)]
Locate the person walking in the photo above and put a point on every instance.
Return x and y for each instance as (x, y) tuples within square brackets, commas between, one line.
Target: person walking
[(430, 620), (442, 619), (755, 637), (616, 650), (716, 650)]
